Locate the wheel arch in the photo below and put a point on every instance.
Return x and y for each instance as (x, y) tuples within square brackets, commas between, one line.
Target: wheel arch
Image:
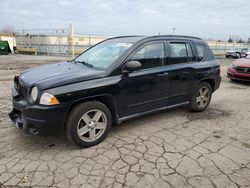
[(211, 82), (105, 99)]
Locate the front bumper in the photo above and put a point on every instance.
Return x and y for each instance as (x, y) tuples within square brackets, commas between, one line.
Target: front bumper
[(232, 74), (38, 119)]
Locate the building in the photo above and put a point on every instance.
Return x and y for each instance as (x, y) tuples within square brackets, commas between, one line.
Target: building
[(61, 44)]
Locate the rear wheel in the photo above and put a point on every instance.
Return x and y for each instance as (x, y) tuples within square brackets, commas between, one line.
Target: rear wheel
[(238, 55), (88, 124), (201, 97)]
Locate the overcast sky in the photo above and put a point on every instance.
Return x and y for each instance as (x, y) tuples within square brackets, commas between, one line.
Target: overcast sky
[(217, 19)]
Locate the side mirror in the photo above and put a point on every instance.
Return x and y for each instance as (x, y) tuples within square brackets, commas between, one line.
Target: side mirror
[(133, 66), (200, 58)]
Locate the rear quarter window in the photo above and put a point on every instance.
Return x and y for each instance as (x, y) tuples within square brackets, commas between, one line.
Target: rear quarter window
[(203, 51)]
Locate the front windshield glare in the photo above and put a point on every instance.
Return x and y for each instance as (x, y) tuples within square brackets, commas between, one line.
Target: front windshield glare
[(103, 55)]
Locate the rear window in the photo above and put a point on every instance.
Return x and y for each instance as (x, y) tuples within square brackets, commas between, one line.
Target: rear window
[(204, 52)]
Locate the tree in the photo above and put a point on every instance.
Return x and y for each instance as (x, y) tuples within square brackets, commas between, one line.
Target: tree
[(240, 41), (230, 40), (8, 29)]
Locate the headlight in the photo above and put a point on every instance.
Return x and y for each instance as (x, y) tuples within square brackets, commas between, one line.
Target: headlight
[(48, 99), (34, 94)]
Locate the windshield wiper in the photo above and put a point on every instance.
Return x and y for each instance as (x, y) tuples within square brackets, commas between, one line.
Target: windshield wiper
[(84, 63)]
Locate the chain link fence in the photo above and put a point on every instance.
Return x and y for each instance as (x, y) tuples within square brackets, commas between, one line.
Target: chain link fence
[(57, 42), (220, 48), (63, 42)]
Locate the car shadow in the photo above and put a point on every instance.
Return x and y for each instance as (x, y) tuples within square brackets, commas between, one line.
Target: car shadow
[(60, 142), (241, 83)]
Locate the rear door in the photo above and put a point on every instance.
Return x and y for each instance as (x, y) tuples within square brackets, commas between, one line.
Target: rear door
[(181, 59)]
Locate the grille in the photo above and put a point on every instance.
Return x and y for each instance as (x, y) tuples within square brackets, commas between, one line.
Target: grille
[(21, 89), (245, 70)]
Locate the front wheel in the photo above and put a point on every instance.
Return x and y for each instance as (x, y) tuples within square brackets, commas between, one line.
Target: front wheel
[(88, 123), (201, 97)]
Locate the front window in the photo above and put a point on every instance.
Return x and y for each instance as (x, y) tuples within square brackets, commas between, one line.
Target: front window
[(150, 56), (103, 55)]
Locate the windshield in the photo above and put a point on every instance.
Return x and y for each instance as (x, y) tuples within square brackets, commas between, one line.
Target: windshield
[(103, 55), (234, 49)]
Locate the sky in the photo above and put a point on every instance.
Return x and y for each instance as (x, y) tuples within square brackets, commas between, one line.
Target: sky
[(209, 19)]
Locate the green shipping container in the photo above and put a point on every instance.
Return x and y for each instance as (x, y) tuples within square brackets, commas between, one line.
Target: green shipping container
[(4, 48)]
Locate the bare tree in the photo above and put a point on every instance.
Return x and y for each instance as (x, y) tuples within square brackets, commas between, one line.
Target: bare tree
[(8, 29), (230, 40), (240, 41), (235, 38)]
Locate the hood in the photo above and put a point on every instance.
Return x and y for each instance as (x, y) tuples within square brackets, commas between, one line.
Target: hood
[(242, 62), (54, 75)]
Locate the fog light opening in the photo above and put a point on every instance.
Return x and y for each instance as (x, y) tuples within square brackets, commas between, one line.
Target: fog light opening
[(19, 123), (33, 131)]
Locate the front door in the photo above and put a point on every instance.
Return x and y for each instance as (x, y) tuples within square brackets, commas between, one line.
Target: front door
[(148, 88)]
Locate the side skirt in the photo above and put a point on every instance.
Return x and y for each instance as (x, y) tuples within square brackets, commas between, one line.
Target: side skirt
[(120, 120)]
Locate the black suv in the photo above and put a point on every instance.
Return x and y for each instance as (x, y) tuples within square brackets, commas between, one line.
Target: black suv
[(116, 80)]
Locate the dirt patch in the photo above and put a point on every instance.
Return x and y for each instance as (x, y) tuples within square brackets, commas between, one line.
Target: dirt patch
[(217, 136), (233, 138), (246, 145), (238, 87), (210, 113), (218, 133)]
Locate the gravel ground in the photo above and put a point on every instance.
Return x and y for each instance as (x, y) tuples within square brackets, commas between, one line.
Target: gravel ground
[(174, 148)]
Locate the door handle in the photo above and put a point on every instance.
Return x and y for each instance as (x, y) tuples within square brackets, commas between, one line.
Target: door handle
[(163, 74)]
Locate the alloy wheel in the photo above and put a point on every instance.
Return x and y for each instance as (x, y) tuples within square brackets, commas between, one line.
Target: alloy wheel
[(92, 125), (202, 98)]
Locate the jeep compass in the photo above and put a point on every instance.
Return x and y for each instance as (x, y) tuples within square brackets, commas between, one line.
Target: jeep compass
[(116, 80)]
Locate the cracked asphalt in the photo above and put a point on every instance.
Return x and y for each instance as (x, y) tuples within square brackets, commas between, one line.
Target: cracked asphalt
[(173, 148)]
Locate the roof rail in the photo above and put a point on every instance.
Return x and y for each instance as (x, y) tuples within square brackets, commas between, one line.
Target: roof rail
[(181, 36), (125, 36)]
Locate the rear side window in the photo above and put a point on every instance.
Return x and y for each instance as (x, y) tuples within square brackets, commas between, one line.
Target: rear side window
[(204, 52), (180, 52)]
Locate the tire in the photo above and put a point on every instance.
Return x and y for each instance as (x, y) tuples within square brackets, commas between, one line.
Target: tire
[(88, 124), (238, 55), (204, 92)]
